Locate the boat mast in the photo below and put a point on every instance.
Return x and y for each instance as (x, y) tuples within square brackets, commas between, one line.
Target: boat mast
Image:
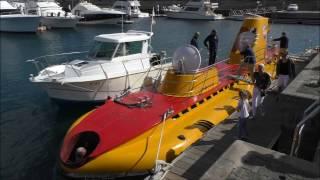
[(152, 23)]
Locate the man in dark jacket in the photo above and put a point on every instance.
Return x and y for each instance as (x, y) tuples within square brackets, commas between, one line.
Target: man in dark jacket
[(284, 41), (211, 42), (285, 71), (262, 81), (194, 40)]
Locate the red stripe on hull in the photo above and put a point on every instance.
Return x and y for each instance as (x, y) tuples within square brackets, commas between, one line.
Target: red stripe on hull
[(116, 124)]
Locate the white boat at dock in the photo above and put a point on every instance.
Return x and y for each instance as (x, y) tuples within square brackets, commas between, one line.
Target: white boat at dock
[(13, 20), (130, 7), (116, 64), (52, 15), (196, 9), (92, 14), (241, 14)]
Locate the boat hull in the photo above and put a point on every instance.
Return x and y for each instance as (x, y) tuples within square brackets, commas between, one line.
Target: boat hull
[(140, 15), (236, 17), (59, 22), (19, 23), (195, 16), (99, 90), (99, 21)]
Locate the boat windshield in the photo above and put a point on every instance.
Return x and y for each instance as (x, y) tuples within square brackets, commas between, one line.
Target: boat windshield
[(129, 48), (102, 50), (9, 11)]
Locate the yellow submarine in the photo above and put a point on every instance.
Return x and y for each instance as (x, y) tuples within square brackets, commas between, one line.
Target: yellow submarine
[(127, 136)]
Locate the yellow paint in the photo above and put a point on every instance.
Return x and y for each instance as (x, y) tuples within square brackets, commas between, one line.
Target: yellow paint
[(186, 85), (262, 27), (139, 154), (79, 120)]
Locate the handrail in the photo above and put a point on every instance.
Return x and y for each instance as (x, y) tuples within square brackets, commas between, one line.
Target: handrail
[(308, 114), (52, 55)]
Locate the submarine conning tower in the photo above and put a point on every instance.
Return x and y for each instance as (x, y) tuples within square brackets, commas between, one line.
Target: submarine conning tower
[(253, 32), (191, 77)]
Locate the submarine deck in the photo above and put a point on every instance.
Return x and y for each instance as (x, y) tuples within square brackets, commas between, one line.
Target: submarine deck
[(219, 155)]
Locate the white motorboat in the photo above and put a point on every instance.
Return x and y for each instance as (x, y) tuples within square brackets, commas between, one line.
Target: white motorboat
[(116, 64), (196, 9), (130, 7), (52, 15), (12, 20), (240, 17), (173, 7), (293, 7), (92, 14)]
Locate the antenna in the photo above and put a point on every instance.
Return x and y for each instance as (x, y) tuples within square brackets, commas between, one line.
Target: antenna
[(152, 23), (122, 23), (152, 19), (122, 17)]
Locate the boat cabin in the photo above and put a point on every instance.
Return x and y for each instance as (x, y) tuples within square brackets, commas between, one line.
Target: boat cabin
[(120, 46), (44, 8), (132, 5), (6, 8), (200, 6)]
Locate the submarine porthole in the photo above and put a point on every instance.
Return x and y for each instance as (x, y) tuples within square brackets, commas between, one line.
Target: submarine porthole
[(84, 144), (176, 116), (185, 111), (181, 137)]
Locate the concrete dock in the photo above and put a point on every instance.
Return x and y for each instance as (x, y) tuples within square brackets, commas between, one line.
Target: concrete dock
[(219, 155), (295, 17)]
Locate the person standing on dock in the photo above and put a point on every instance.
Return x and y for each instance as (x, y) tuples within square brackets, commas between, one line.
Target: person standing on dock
[(249, 61), (285, 70), (211, 42), (194, 40), (262, 82), (284, 42), (243, 108)]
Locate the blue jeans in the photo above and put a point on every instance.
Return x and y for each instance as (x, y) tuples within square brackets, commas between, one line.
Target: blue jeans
[(242, 128)]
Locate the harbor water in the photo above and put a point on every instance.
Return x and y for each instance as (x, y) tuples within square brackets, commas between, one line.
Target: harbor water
[(32, 126)]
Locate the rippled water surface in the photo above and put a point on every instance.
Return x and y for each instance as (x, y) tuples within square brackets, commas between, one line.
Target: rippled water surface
[(32, 126)]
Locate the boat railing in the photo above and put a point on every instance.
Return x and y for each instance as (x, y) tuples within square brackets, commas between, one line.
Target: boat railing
[(45, 61), (159, 65), (199, 83), (309, 114), (205, 80), (260, 55)]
